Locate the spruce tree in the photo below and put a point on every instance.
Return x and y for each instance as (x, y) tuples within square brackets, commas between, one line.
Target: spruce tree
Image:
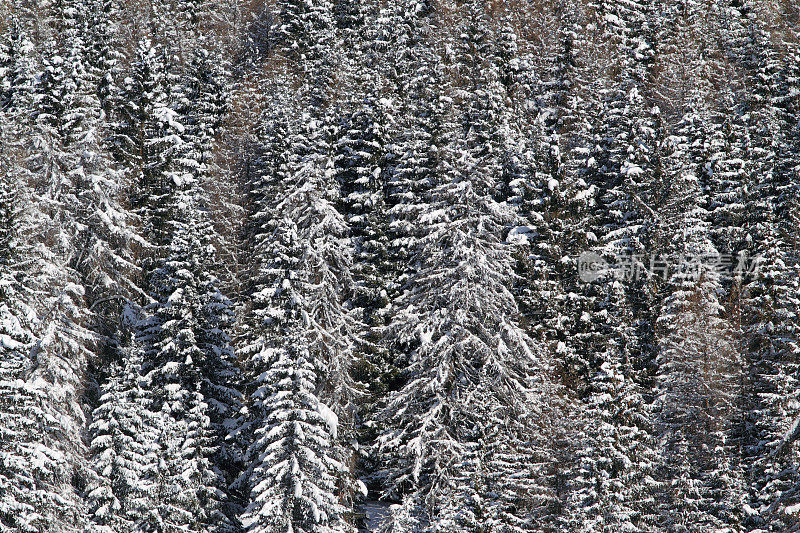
[(124, 453), (186, 365), (459, 286), (698, 384), (294, 477)]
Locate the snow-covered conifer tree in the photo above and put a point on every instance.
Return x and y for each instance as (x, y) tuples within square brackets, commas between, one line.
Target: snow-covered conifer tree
[(457, 321), (698, 386), (298, 304), (187, 368), (295, 474), (123, 446)]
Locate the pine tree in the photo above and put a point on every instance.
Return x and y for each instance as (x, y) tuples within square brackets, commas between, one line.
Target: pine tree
[(564, 311), (623, 165), (103, 238), (768, 296), (50, 153), (417, 136), (17, 70), (305, 34), (17, 317), (45, 349), (299, 295), (147, 141), (614, 489), (361, 169)]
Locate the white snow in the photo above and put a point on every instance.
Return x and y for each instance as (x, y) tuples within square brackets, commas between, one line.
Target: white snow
[(793, 509), (331, 420)]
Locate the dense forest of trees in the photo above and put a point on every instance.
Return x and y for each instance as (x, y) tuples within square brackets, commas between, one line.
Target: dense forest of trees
[(261, 263)]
